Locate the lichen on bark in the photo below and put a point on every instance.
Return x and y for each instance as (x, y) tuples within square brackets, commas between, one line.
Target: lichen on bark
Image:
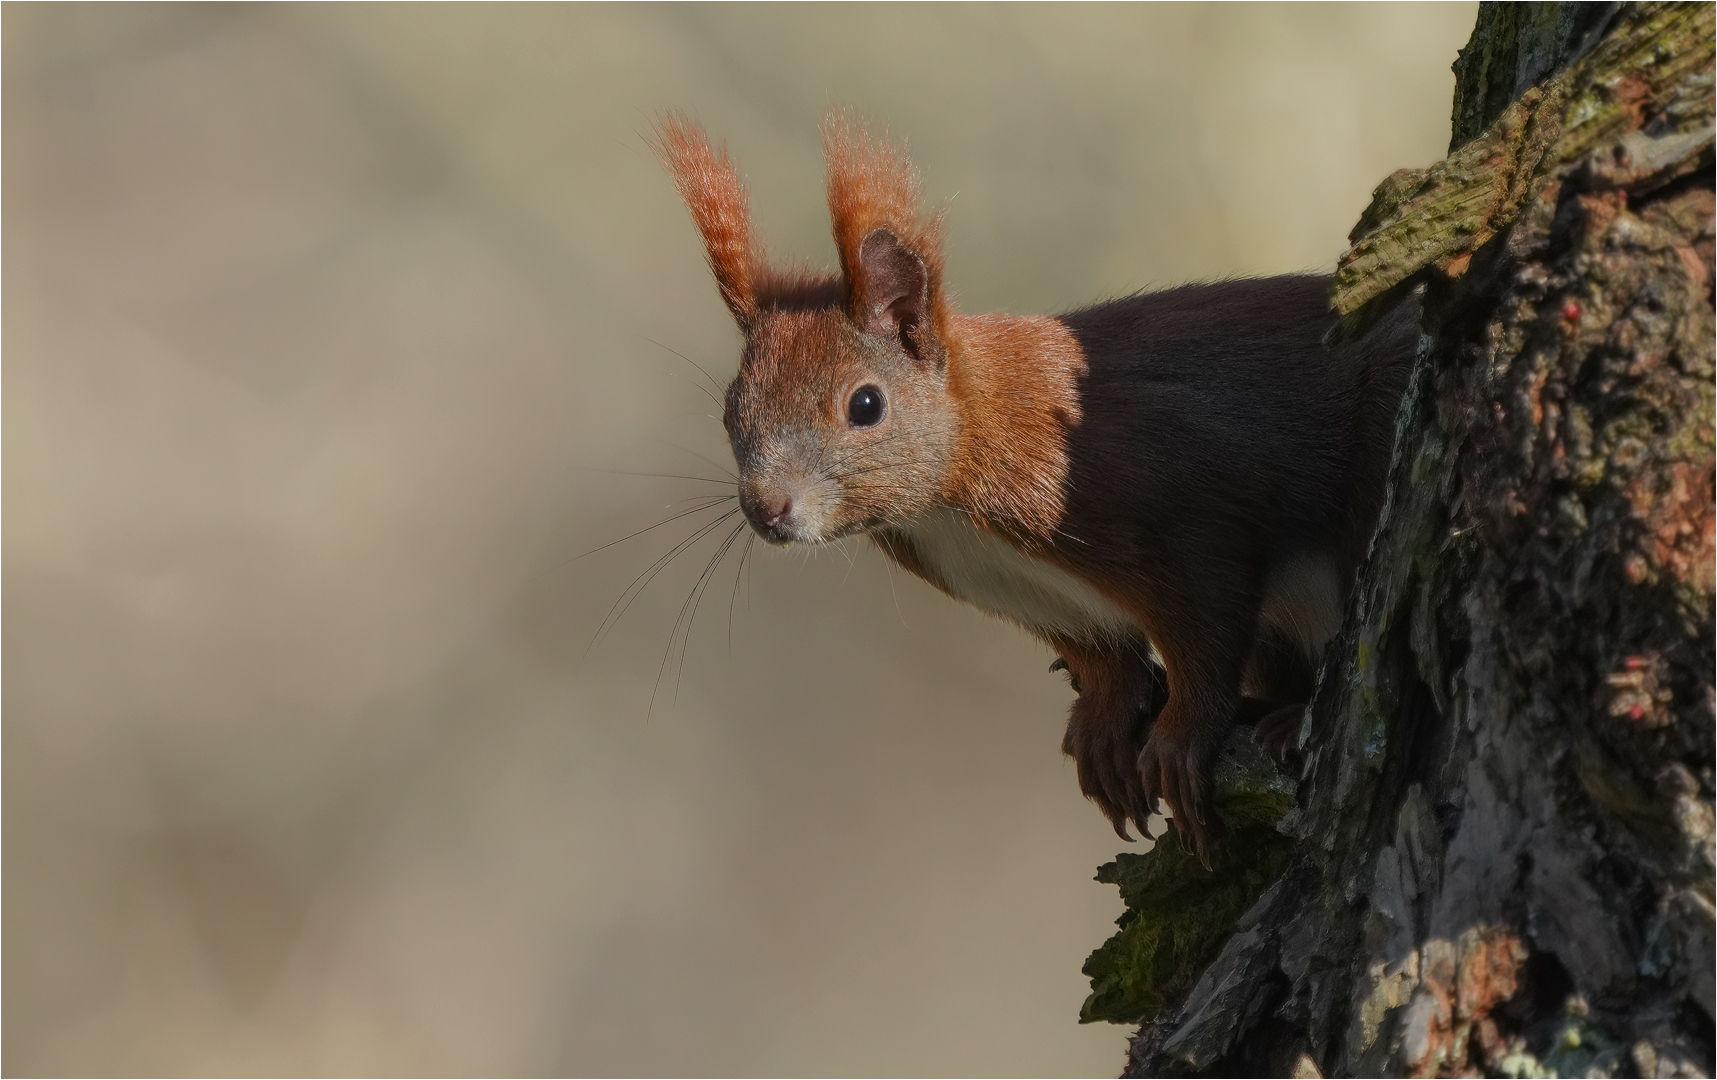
[(1504, 860)]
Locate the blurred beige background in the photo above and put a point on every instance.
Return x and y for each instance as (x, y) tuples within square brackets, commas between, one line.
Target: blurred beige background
[(320, 324)]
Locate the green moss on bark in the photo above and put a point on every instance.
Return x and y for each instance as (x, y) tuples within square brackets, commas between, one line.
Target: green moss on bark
[(1179, 912)]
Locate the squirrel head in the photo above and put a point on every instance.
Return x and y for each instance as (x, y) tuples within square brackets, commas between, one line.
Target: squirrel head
[(840, 416)]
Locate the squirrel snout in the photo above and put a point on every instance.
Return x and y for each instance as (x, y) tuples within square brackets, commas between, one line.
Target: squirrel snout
[(770, 514)]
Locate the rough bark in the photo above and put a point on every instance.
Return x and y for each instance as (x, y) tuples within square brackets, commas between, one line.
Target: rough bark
[(1499, 857)]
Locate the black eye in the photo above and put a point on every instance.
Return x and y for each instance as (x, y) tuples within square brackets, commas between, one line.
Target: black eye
[(864, 408)]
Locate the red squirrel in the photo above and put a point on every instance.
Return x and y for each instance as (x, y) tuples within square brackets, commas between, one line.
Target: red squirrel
[(1173, 490)]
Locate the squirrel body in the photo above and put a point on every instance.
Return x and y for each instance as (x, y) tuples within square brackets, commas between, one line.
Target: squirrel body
[(1173, 490)]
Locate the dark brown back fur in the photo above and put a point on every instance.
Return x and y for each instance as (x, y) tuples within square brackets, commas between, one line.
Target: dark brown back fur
[(1217, 422)]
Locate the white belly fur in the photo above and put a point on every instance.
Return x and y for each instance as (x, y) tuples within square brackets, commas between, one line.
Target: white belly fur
[(1302, 597), (988, 572)]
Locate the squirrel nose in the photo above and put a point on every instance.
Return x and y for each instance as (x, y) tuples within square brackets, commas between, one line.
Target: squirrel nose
[(773, 514), (770, 509)]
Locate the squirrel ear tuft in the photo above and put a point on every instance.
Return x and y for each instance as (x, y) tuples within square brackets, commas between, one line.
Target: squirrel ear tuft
[(720, 206), (896, 298), (891, 254)]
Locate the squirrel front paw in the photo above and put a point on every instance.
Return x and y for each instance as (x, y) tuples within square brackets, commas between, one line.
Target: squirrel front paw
[(1107, 755), (1175, 766), (1072, 676)]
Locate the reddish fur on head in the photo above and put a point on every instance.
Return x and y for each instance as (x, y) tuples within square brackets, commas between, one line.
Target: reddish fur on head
[(978, 404), (809, 473)]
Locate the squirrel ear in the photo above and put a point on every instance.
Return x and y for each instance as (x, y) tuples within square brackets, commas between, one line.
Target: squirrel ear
[(896, 291)]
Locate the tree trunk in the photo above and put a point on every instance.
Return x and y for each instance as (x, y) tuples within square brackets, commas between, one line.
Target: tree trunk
[(1499, 857)]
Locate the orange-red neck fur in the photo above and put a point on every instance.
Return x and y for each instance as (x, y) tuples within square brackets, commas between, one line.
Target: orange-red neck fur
[(1015, 382)]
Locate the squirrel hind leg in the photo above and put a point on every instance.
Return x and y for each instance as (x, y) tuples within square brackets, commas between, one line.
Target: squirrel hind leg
[(1279, 681), (1278, 732)]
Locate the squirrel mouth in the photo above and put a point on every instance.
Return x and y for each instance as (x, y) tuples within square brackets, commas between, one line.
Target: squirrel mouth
[(779, 534), (785, 534)]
